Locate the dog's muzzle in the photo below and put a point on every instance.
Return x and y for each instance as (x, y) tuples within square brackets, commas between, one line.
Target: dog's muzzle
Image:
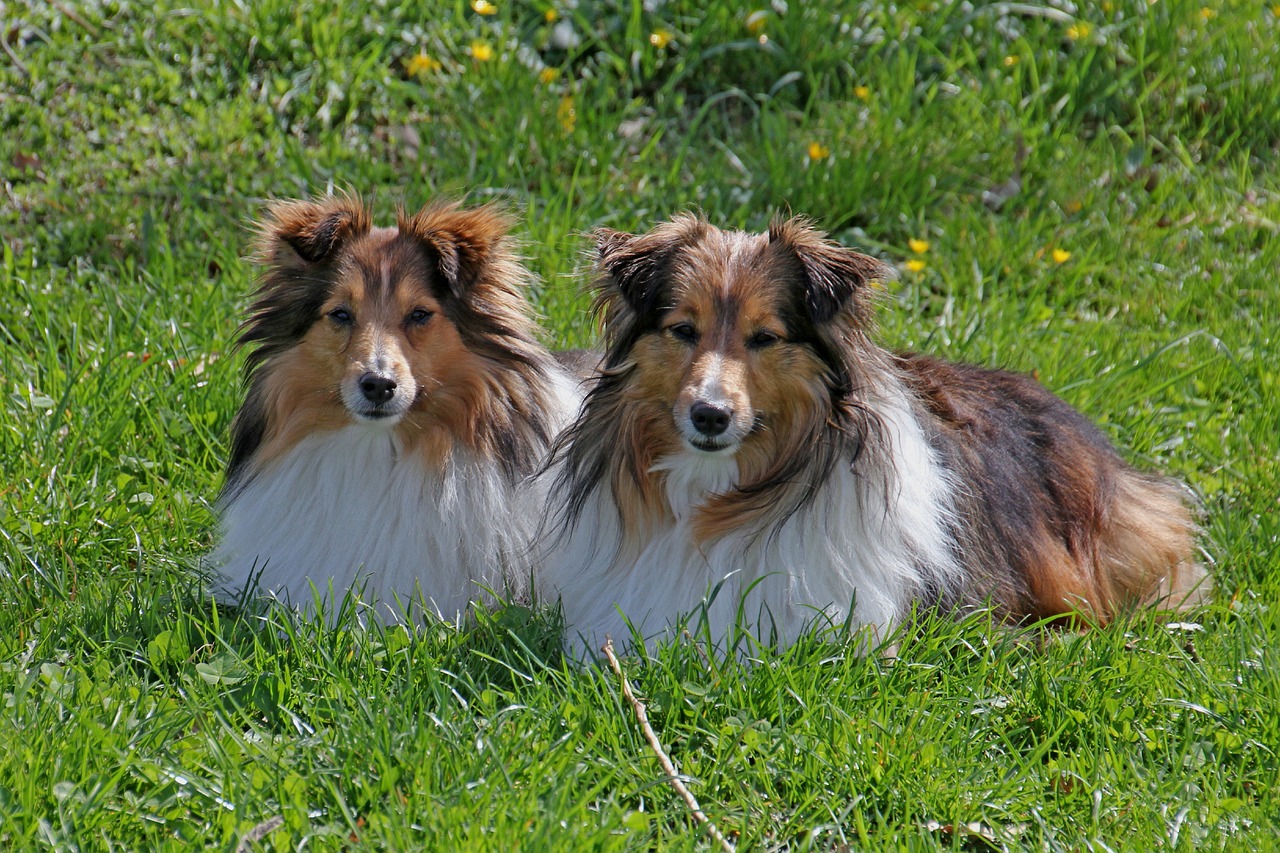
[(710, 419), (376, 396)]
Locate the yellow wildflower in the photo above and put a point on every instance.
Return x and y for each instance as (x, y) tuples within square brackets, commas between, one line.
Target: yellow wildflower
[(1010, 60), (1275, 10), (660, 38), (1061, 256), (547, 76), (862, 93), (567, 112), (756, 21), (481, 51), (484, 7), (818, 151), (1078, 31), (420, 63), (918, 246), (551, 16), (916, 265), (1206, 13)]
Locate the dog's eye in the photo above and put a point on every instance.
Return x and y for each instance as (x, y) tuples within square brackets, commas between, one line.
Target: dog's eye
[(419, 316), (341, 316), (762, 339), (684, 332)]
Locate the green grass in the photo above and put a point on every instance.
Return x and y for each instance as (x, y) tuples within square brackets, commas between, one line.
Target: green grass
[(138, 140)]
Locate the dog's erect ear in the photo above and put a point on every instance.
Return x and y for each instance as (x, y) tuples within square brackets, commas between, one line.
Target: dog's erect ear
[(629, 268), (313, 230), (832, 273), (638, 267), (461, 241)]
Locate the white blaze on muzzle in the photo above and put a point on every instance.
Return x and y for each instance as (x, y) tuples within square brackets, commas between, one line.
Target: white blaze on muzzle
[(707, 416)]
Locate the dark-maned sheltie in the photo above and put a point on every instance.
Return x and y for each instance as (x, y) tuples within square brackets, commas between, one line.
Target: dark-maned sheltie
[(749, 452), (398, 399)]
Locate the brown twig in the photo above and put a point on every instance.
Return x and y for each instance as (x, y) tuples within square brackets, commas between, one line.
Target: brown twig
[(71, 13), (17, 63), (672, 776), (259, 832)]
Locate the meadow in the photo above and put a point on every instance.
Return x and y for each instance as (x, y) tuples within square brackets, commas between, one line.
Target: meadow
[(1089, 192)]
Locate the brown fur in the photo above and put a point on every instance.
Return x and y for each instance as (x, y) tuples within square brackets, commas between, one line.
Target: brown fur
[(1057, 523)]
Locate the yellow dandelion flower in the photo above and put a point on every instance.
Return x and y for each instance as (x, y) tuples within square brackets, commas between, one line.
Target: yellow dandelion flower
[(1108, 6), (1075, 206), (1078, 31), (420, 63), (567, 113), (818, 151), (862, 93), (547, 76), (1061, 256), (660, 38), (481, 51), (918, 246), (756, 21), (1011, 60), (1206, 13), (483, 7), (916, 265), (1275, 10), (551, 16)]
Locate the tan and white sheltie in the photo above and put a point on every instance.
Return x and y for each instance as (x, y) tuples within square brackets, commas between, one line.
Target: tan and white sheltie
[(397, 401), (746, 438)]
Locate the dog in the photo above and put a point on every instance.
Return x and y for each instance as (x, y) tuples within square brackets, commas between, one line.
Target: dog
[(748, 454), (397, 400)]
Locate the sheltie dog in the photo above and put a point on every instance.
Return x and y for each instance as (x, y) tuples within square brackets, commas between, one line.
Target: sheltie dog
[(748, 452), (397, 401)]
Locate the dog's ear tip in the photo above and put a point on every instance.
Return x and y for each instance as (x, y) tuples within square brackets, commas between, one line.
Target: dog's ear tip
[(463, 241), (610, 239), (617, 250), (834, 274), (311, 228)]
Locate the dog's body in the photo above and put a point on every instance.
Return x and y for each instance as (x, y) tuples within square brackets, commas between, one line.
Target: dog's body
[(397, 401), (747, 439)]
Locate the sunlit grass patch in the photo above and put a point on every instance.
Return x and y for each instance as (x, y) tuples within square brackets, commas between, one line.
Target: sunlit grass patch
[(1091, 196)]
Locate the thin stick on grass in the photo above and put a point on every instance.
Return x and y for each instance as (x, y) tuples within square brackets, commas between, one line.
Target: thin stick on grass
[(672, 776), (258, 833), (17, 63)]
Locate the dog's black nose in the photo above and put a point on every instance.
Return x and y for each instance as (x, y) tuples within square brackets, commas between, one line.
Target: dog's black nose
[(377, 389), (709, 419)]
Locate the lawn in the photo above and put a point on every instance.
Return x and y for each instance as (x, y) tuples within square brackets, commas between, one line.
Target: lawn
[(1088, 192)]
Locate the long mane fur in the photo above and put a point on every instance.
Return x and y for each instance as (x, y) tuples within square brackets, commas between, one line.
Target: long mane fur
[(608, 445), (484, 297)]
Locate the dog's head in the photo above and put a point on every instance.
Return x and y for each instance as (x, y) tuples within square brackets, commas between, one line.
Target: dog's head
[(735, 341), (386, 317), (424, 325)]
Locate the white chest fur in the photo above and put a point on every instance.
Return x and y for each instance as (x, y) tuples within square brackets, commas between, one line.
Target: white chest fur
[(860, 552), (349, 510)]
